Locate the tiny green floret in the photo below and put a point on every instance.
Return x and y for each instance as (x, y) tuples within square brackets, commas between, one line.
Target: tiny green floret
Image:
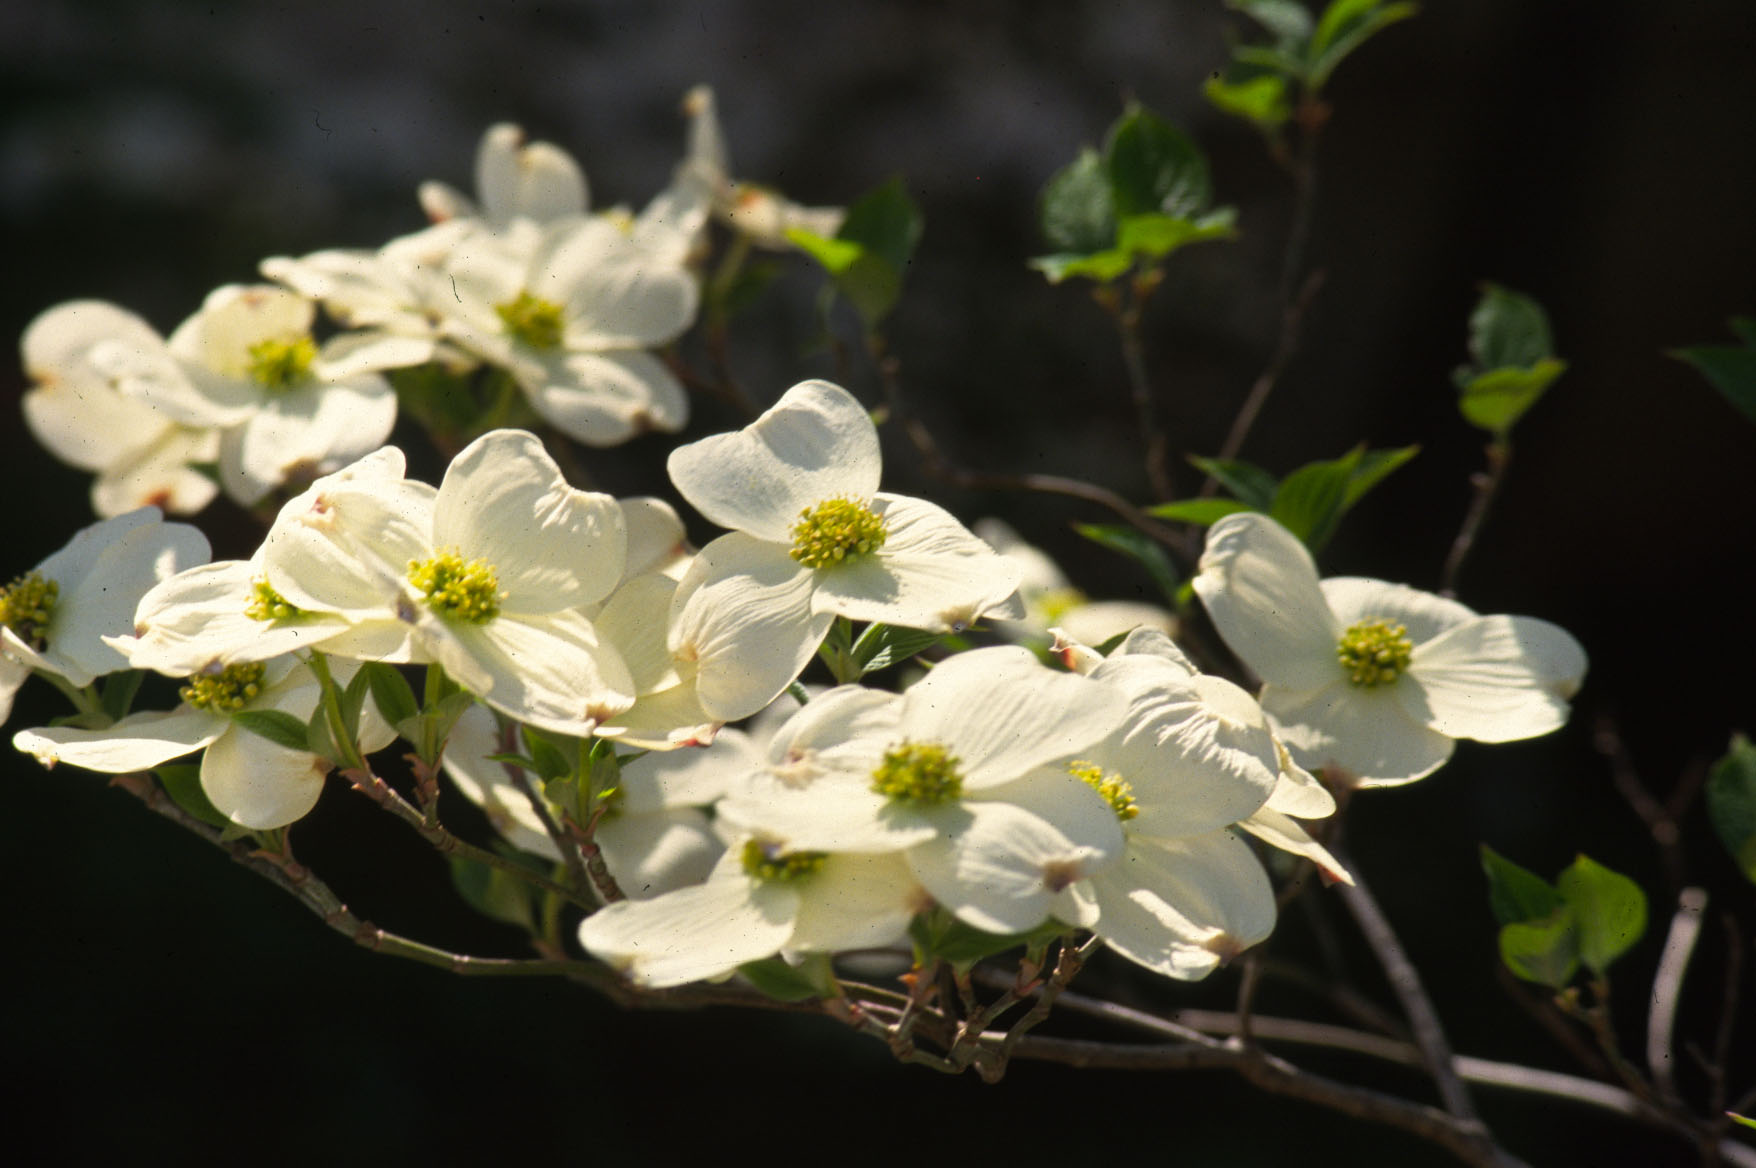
[(1116, 790), (766, 861), (533, 320), (26, 605), (1374, 653), (268, 605), (225, 691), (836, 531), (277, 364), (922, 773), (458, 589)]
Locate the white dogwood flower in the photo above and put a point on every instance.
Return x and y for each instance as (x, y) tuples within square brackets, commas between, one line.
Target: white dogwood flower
[(490, 576), (56, 618), (1371, 681)]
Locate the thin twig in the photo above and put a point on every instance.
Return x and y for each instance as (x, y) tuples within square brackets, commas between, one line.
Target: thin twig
[(1286, 345), (1660, 820), (1487, 485), (1406, 982), (1720, 1071), (1126, 314), (1667, 991)]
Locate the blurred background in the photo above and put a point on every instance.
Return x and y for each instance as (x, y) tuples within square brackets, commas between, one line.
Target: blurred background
[(1598, 157)]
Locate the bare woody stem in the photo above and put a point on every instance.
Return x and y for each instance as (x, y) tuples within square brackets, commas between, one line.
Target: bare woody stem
[(1423, 1019), (1667, 991), (1125, 311), (1487, 485)]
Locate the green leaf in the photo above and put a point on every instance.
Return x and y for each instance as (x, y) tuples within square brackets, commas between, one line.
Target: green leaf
[(811, 978), (1154, 168), (1495, 400), (1102, 266), (391, 692), (1609, 908), (1157, 236), (319, 739), (1261, 100), (1729, 369), (552, 753), (117, 694), (1310, 500), (1251, 484), (278, 726), (353, 700), (1745, 328), (1344, 27), (886, 223), (1288, 20), (1731, 803), (1545, 951), (1284, 60), (1201, 512), (1517, 894), (1507, 330), (882, 645), (182, 782), (1077, 215), (1373, 466), (1136, 546), (939, 934), (835, 256), (1744, 1120), (493, 892)]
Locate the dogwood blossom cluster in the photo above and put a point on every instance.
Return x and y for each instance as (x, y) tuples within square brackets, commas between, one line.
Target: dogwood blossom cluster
[(521, 289)]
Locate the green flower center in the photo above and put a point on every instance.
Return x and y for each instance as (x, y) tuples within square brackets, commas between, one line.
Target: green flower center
[(1374, 653), (281, 364), (767, 861), (268, 605), (26, 605), (1113, 787), (224, 692), (922, 773), (459, 589), (836, 531), (533, 320)]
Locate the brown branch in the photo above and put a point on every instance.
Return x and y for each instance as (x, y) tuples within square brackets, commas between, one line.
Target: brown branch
[(1487, 485), (1661, 821)]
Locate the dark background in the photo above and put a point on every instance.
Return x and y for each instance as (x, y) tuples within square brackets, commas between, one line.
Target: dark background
[(162, 1004)]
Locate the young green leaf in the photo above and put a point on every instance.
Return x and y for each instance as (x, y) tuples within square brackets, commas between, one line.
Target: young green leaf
[(1261, 99), (1251, 484), (1609, 908), (1508, 330), (1154, 168), (1102, 266), (1731, 803), (774, 978), (182, 782), (1201, 512), (552, 754), (391, 692), (1496, 399), (1517, 894), (1344, 27), (1545, 951), (883, 645), (1078, 217), (1289, 21), (871, 251), (353, 701), (278, 726), (493, 892), (117, 695), (1138, 547), (1729, 369), (1310, 500), (1157, 236), (1374, 466)]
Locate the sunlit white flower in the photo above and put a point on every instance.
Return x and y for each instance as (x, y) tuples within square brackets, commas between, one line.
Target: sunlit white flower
[(140, 453), (763, 898), (490, 575), (514, 179), (955, 774), (813, 539), (573, 321), (55, 618), (1370, 681), (252, 781)]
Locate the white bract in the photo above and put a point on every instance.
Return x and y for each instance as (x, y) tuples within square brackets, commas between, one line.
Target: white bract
[(253, 782), (488, 576), (762, 215), (1370, 681), (56, 618), (813, 538), (141, 455), (1051, 602), (957, 775), (515, 179)]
